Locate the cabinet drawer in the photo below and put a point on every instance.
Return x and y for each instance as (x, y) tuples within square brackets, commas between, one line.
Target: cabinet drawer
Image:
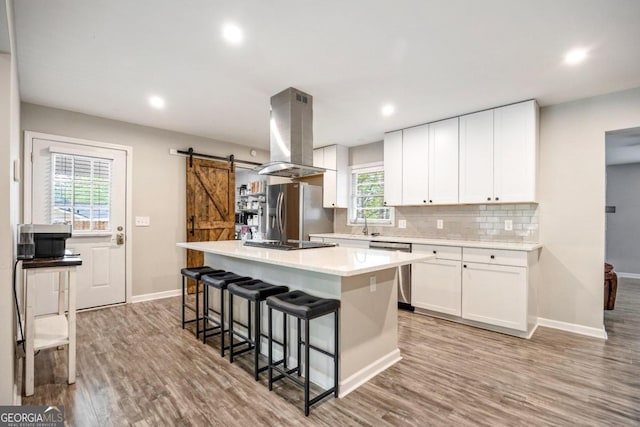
[(348, 243), (441, 252), (495, 256)]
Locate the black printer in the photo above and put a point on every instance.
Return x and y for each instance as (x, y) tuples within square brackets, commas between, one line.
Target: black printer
[(42, 240)]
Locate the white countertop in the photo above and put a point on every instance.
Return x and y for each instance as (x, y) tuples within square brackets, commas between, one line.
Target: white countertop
[(338, 261), (443, 242)]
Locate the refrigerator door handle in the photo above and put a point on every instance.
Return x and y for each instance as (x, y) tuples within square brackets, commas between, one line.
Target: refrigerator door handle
[(280, 215)]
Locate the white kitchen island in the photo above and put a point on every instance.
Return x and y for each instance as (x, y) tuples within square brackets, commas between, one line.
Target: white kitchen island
[(364, 280)]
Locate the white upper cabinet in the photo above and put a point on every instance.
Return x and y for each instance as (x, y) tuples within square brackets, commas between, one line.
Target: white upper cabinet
[(484, 157), (393, 168), (515, 152), (476, 157), (415, 165), (443, 162), (498, 154), (335, 159)]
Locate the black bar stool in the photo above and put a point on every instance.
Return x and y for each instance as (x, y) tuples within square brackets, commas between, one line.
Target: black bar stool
[(219, 281), (256, 291), (305, 307), (194, 273)]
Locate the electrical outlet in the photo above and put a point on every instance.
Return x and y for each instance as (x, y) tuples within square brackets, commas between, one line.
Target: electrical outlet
[(439, 224), (143, 221), (508, 224), (402, 223), (372, 283)]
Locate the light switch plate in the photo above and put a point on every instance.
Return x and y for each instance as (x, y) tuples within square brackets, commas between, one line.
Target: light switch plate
[(402, 223), (143, 221), (439, 224), (508, 224)]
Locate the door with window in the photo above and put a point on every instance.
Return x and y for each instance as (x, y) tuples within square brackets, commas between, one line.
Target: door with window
[(84, 186)]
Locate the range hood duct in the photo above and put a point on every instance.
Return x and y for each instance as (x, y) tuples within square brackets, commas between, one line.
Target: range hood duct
[(291, 128)]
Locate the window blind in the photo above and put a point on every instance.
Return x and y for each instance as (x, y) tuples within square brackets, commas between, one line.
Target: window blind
[(81, 192)]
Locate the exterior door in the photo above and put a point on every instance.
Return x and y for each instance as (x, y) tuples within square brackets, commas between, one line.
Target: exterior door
[(210, 205), (85, 186)]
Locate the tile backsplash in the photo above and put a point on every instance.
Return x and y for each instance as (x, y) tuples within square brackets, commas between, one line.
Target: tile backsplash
[(460, 222)]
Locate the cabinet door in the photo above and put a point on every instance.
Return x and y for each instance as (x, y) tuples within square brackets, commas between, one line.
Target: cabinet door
[(495, 294), (318, 157), (329, 195), (393, 168), (415, 165), (515, 152), (342, 176), (476, 157), (436, 285), (443, 162)]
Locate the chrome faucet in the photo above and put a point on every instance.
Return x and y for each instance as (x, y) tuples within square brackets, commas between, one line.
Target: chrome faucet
[(365, 229)]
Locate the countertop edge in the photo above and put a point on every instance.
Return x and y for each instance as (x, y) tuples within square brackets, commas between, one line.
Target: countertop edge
[(323, 270), (511, 246)]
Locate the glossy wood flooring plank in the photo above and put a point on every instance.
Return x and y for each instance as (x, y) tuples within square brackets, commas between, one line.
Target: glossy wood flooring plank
[(136, 366)]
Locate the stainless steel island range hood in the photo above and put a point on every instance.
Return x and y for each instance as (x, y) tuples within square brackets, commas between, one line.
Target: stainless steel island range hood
[(291, 127)]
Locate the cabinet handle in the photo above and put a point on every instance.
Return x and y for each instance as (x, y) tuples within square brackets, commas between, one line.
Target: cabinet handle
[(465, 266), (497, 198), (333, 204), (435, 252), (493, 257), (384, 203), (424, 201), (488, 199), (430, 201)]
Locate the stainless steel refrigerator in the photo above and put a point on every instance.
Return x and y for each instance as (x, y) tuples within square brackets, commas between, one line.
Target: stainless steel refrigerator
[(295, 210)]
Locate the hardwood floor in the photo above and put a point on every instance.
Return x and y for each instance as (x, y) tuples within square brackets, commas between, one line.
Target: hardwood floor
[(136, 366)]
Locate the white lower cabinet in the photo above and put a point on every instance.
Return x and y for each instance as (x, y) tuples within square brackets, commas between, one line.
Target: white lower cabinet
[(436, 284), (489, 286), (495, 294)]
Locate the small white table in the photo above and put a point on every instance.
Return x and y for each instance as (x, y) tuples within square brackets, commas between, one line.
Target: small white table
[(51, 330)]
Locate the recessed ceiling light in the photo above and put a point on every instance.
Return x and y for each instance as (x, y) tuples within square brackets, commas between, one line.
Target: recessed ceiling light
[(156, 102), (388, 110), (232, 33), (575, 56)]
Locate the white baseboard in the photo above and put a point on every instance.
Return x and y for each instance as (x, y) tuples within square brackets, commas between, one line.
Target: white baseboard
[(575, 328), (365, 374), (156, 295), (628, 275)]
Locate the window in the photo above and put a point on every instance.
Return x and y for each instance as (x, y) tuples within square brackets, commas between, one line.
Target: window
[(367, 197), (81, 192)]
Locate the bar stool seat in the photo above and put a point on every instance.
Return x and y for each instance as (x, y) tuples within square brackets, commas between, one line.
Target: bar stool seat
[(301, 304), (196, 274), (219, 281), (303, 307), (256, 291)]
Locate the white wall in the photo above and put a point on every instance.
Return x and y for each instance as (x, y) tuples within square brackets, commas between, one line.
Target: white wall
[(623, 226), (159, 184), (572, 199), (9, 212)]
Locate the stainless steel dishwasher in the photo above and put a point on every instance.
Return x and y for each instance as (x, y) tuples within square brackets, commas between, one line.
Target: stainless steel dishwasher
[(404, 272)]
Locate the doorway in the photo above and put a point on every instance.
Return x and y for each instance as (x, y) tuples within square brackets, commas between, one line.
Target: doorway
[(85, 184), (622, 247)]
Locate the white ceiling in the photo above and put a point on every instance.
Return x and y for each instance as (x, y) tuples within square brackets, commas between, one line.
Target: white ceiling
[(432, 59)]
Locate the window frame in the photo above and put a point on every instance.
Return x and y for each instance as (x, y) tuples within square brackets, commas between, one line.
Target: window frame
[(366, 168)]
